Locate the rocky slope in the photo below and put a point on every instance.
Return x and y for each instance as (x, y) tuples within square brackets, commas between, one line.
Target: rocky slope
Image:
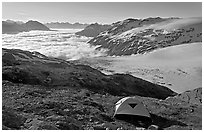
[(191, 97), (137, 36), (34, 68), (16, 27), (35, 107), (43, 93), (93, 30)]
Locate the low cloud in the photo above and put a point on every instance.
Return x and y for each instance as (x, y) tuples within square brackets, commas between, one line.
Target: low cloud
[(62, 44)]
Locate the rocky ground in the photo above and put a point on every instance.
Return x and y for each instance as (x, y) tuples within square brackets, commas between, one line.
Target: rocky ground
[(37, 107), (41, 93)]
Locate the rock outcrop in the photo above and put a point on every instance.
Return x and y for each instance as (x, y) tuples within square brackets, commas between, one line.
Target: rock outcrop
[(190, 97)]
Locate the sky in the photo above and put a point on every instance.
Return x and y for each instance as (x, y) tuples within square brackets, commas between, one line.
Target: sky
[(101, 12)]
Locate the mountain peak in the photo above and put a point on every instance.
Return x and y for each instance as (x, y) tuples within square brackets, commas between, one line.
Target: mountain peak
[(93, 30), (33, 21), (10, 26)]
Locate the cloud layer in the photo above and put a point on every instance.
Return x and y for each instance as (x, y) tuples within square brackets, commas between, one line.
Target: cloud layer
[(62, 43)]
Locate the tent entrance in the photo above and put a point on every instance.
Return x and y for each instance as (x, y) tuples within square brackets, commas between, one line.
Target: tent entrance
[(140, 121)]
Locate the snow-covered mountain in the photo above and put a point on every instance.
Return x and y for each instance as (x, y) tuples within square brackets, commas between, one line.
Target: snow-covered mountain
[(138, 36), (93, 30)]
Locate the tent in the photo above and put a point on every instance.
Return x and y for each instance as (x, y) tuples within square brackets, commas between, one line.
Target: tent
[(131, 109)]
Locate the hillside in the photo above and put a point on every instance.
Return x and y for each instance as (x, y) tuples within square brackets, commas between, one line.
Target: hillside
[(10, 27), (34, 68), (65, 25), (93, 30), (139, 36)]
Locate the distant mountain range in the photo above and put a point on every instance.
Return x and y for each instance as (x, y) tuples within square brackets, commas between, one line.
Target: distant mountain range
[(138, 36), (93, 30), (64, 25), (12, 27)]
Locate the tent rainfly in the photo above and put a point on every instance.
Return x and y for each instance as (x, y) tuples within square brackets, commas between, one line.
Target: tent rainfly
[(131, 106)]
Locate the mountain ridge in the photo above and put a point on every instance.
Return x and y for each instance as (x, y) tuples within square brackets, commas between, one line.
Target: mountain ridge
[(12, 27), (93, 30), (64, 25), (134, 36)]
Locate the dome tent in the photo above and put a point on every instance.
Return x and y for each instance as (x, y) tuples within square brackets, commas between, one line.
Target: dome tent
[(132, 110)]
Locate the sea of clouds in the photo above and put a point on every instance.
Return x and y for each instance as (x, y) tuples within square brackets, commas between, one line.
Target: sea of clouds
[(63, 44)]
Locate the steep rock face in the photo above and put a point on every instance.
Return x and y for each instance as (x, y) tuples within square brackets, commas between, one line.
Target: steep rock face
[(93, 30), (14, 27), (134, 36), (34, 68)]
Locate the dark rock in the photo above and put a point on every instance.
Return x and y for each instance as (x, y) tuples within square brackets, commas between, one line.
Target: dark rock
[(5, 128), (37, 124), (55, 117), (105, 117), (48, 127), (11, 119), (94, 104), (67, 125), (107, 125)]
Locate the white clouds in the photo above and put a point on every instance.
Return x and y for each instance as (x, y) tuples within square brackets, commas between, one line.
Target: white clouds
[(63, 44)]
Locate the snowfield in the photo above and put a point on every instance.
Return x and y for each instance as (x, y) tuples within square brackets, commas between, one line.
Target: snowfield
[(177, 67)]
